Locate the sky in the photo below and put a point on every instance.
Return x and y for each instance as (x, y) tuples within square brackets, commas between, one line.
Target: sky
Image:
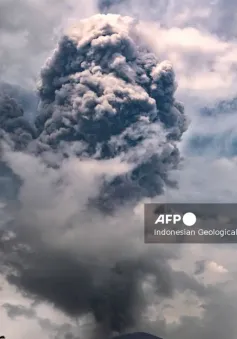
[(187, 290)]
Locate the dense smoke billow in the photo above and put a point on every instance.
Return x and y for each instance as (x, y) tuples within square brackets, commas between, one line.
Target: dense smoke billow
[(104, 90), (106, 131), (13, 124), (15, 130)]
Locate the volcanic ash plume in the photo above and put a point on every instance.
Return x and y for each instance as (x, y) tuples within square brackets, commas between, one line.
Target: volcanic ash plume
[(14, 128), (17, 132), (105, 101), (105, 93)]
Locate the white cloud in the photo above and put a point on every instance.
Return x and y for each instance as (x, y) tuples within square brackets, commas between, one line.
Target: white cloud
[(204, 64)]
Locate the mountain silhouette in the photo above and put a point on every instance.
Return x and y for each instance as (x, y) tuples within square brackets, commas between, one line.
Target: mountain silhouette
[(137, 335)]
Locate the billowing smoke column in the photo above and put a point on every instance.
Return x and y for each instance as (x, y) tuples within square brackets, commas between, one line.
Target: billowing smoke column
[(14, 128), (103, 89), (16, 131), (103, 96)]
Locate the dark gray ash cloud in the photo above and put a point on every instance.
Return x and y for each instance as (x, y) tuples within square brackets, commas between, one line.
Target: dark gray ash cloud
[(13, 124), (103, 89), (51, 216), (15, 311), (27, 99), (105, 101), (16, 131)]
